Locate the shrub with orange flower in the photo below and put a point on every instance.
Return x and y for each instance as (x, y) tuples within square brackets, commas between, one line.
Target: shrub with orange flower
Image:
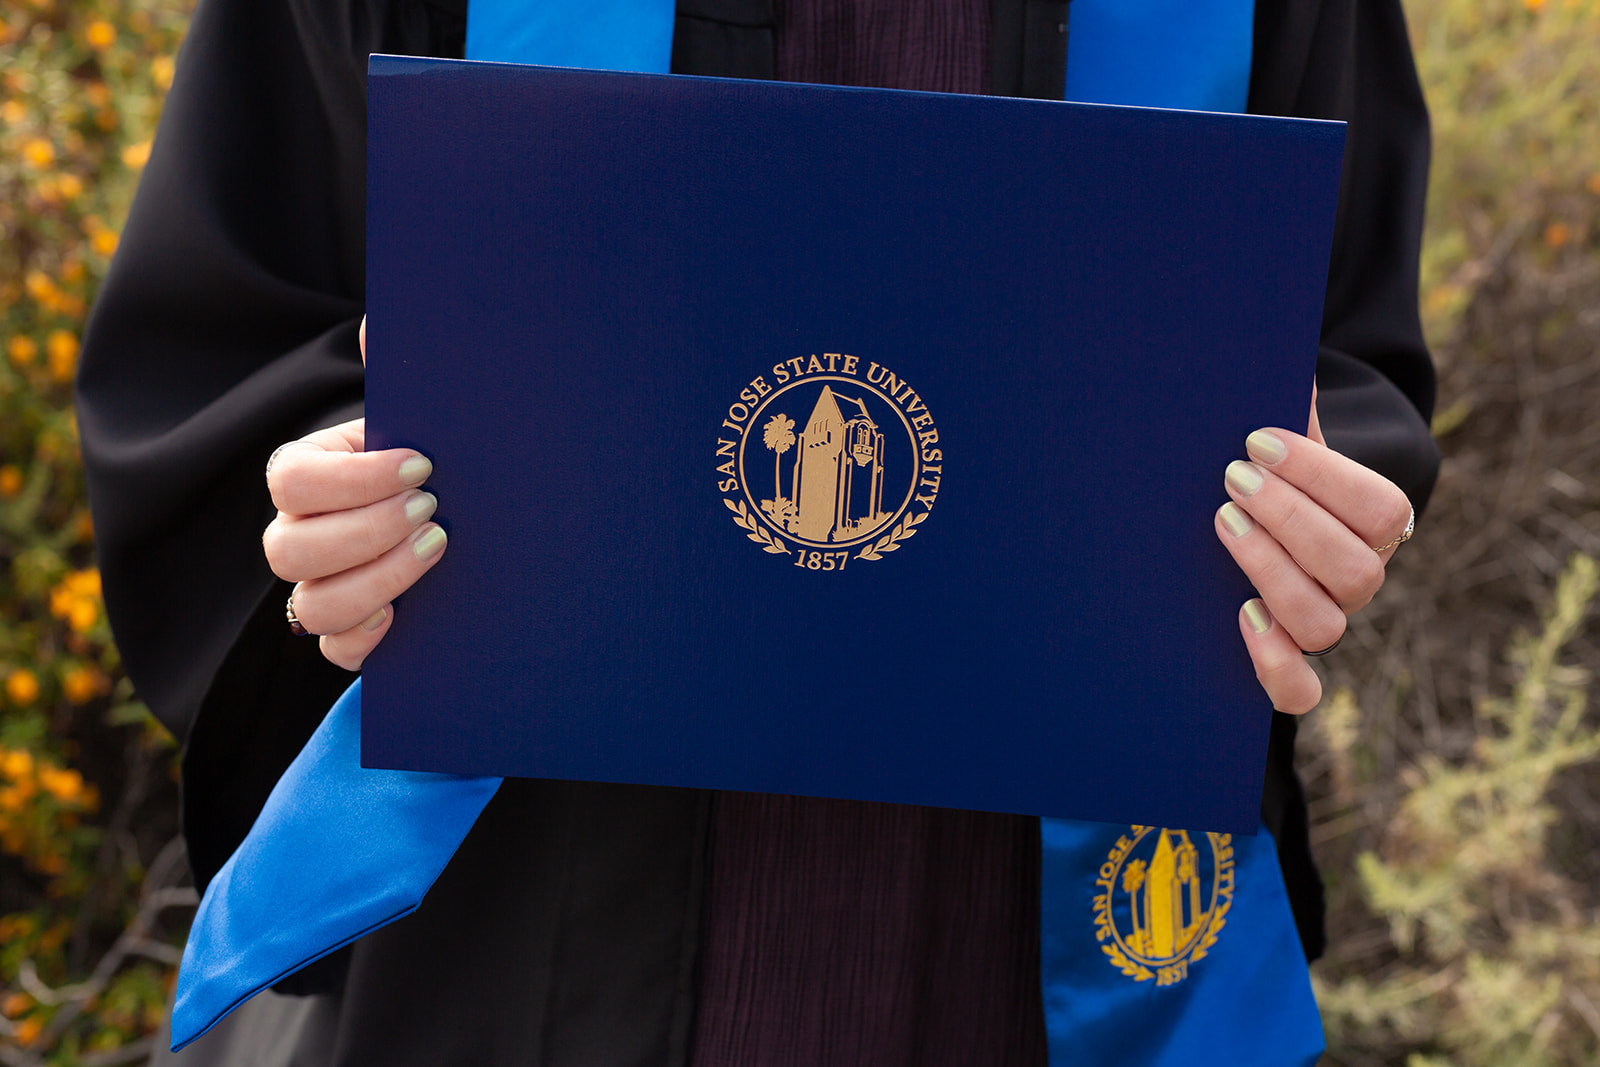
[(81, 85)]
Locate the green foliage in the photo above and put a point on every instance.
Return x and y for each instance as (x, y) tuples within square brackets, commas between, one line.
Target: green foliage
[(79, 95), (1500, 962)]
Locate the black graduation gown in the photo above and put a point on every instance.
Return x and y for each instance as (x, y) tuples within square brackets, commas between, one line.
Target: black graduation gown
[(227, 325)]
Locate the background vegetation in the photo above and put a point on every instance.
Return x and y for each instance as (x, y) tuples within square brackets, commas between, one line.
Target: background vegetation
[(1453, 769)]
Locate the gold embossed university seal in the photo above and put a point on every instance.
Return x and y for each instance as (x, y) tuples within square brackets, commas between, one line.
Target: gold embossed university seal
[(830, 459), (1161, 900)]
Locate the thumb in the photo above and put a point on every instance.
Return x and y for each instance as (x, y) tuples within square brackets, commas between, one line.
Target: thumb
[(1313, 428)]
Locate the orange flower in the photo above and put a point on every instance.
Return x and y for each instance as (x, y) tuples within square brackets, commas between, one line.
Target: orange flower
[(39, 153), (22, 686), (62, 349), (70, 186), (100, 34), (16, 763), (39, 285), (1557, 234), (98, 93), (83, 583), (10, 480), (136, 155), (65, 785), (14, 1004), (83, 616), (161, 69), (81, 685), (28, 1031), (13, 112), (22, 351), (104, 242), (1533, 5)]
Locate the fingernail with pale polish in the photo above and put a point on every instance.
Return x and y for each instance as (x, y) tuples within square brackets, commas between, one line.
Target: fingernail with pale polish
[(1255, 613), (1235, 519), (375, 620), (428, 543), (420, 506), (1266, 446), (1244, 477), (415, 471)]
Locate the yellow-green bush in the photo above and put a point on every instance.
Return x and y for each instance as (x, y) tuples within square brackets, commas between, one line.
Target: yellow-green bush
[(1454, 781), (1499, 957)]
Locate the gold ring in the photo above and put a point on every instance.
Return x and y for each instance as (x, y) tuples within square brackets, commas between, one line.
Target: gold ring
[(1411, 525), (296, 627)]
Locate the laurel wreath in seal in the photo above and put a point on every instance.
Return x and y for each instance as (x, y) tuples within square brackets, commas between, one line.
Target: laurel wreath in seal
[(1209, 938), (755, 531), (891, 540), (1137, 971), (1140, 973)]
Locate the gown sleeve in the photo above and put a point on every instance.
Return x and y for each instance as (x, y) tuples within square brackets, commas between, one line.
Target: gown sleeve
[(226, 326), (1351, 60)]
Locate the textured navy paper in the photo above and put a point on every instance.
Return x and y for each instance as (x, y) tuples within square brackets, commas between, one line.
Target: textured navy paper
[(573, 275)]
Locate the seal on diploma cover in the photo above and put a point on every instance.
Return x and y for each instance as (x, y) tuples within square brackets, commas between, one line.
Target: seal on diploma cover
[(829, 458)]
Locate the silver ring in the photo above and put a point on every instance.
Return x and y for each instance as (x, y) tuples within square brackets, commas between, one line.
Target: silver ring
[(273, 459), (1405, 535)]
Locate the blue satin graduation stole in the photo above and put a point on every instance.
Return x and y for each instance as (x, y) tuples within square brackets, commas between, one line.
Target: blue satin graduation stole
[(1159, 945)]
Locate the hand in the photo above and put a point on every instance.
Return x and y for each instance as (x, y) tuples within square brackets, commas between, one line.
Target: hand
[(1304, 524), (351, 531)]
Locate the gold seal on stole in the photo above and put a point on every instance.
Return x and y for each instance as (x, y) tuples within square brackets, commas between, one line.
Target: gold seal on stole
[(1160, 900), (829, 458)]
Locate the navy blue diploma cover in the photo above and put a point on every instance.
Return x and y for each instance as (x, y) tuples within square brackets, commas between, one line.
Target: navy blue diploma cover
[(837, 442)]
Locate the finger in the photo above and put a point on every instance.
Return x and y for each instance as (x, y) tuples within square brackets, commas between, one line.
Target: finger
[(361, 334), (1310, 617), (1368, 503), (334, 604), (301, 548), (346, 437), (1325, 548), (1282, 671), (349, 649), (311, 480)]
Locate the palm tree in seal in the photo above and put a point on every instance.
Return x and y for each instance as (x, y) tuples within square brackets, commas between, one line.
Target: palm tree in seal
[(778, 435)]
